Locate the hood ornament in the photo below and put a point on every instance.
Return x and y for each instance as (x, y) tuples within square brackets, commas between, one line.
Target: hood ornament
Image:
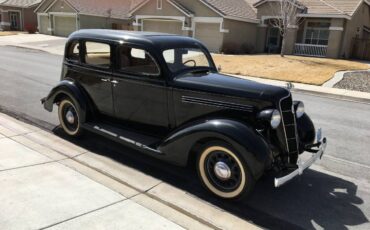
[(289, 86)]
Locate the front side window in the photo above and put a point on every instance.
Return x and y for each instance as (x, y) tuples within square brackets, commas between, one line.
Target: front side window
[(98, 54), (179, 59), (317, 33), (137, 62)]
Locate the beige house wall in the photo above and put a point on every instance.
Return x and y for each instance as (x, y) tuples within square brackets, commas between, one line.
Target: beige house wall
[(261, 39), (266, 10), (335, 37), (199, 9), (241, 34), (290, 40), (61, 6), (94, 22), (45, 4), (30, 17), (150, 8), (354, 28), (27, 17)]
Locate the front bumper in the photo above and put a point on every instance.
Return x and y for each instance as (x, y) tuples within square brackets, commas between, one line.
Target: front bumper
[(316, 154)]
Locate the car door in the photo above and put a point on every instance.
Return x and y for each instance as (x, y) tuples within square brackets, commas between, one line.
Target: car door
[(139, 89), (95, 73)]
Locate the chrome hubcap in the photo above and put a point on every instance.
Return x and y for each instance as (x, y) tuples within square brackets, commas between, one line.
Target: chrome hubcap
[(70, 117), (222, 170)]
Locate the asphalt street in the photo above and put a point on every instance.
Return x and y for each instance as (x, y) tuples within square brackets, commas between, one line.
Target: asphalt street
[(335, 194)]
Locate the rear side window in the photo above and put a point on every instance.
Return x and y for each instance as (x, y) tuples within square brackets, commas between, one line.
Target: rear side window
[(98, 54), (138, 62), (74, 52)]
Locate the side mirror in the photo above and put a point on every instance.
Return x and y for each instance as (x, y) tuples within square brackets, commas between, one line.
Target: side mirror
[(219, 68)]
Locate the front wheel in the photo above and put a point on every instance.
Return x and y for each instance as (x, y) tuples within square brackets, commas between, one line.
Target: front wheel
[(223, 172), (69, 118)]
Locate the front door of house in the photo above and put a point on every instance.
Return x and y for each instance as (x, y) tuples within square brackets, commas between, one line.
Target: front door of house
[(14, 21), (273, 40)]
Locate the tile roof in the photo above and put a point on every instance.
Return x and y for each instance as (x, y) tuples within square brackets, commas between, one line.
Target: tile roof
[(233, 8), (336, 7), (20, 3), (344, 6), (107, 8), (180, 6)]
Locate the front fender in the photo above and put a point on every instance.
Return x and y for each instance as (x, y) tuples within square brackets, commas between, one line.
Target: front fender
[(248, 142), (306, 131), (70, 89)]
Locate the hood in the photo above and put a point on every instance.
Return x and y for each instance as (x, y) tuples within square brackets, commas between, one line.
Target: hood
[(232, 86)]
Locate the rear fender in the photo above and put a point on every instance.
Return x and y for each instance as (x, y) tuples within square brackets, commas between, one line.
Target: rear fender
[(70, 89), (248, 142)]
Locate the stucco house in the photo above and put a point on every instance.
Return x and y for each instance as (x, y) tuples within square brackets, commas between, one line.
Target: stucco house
[(219, 24), (62, 17), (326, 28), (18, 14)]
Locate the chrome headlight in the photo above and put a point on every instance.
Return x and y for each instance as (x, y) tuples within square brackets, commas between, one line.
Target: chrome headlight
[(299, 109), (272, 116), (275, 119)]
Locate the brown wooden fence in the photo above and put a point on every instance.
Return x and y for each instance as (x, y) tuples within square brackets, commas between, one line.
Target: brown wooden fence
[(360, 49)]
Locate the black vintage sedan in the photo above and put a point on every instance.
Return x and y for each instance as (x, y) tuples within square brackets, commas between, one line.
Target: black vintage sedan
[(163, 95)]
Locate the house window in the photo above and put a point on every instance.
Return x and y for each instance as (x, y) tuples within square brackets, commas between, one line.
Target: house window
[(159, 4), (13, 20), (317, 33)]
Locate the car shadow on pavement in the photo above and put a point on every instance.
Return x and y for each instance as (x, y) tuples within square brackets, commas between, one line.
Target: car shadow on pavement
[(312, 200)]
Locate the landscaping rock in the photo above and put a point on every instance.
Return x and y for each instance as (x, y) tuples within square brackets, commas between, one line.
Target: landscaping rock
[(358, 81)]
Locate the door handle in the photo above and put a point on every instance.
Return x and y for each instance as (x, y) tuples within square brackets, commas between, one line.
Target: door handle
[(105, 79)]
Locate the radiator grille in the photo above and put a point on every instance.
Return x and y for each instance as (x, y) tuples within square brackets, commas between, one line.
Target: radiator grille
[(290, 129)]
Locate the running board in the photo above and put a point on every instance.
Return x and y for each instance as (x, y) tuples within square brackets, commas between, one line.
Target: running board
[(125, 137)]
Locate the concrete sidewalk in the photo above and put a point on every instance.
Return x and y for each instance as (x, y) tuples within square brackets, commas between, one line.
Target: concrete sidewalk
[(39, 190), (47, 182)]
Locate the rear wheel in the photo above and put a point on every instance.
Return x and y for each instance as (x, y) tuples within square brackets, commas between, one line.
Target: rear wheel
[(69, 118), (223, 172)]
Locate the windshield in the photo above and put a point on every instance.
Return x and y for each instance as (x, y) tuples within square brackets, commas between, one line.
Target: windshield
[(179, 59)]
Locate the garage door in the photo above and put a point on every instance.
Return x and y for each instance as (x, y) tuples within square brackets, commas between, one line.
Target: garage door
[(210, 35), (171, 27), (64, 26), (44, 24)]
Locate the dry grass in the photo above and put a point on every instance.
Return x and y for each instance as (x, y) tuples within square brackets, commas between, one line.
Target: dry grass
[(306, 70), (7, 33)]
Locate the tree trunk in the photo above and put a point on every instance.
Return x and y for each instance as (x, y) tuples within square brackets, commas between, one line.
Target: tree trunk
[(282, 52)]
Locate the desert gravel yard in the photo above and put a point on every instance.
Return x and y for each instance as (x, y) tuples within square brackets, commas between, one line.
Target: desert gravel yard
[(308, 70), (7, 33), (358, 81)]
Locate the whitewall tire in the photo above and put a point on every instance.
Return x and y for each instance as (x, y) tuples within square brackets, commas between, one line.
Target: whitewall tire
[(69, 118), (223, 172)]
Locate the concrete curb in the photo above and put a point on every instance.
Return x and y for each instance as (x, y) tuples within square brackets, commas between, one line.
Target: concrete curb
[(317, 90)]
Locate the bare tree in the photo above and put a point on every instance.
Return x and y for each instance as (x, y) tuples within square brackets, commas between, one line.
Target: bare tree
[(285, 14)]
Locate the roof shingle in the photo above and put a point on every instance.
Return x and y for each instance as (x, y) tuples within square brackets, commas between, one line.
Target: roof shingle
[(234, 8), (20, 3), (107, 8)]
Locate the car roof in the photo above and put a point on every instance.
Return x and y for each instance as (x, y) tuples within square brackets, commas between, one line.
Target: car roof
[(159, 40)]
